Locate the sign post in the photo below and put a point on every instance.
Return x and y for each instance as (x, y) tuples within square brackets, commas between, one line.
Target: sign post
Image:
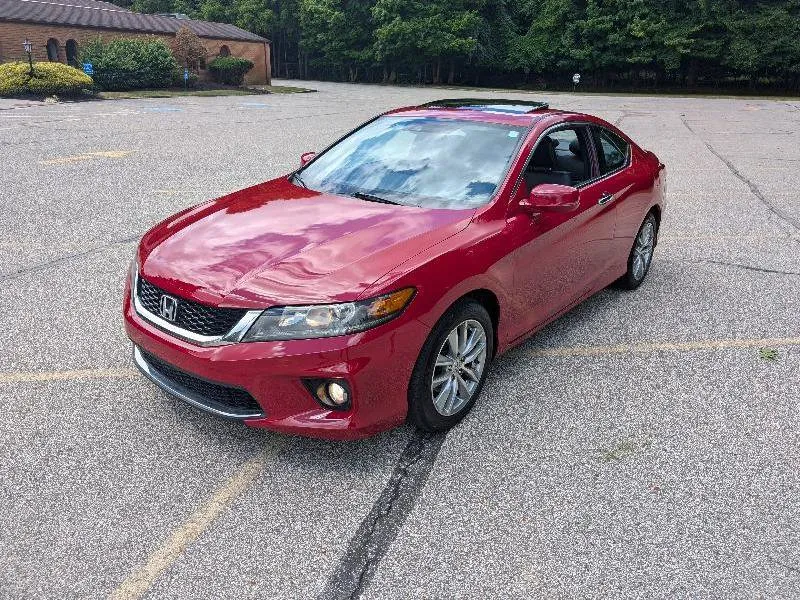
[(88, 68), (576, 79), (28, 45), (186, 79)]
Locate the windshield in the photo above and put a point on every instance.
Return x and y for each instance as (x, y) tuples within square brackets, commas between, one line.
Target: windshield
[(422, 161)]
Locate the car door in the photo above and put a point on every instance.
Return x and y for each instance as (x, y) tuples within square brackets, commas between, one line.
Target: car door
[(559, 256), (616, 182)]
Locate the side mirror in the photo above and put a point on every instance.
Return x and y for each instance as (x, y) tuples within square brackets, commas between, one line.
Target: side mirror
[(306, 158), (551, 197)]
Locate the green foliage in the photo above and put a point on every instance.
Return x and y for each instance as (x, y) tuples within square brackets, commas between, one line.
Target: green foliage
[(229, 70), (630, 43), (187, 48), (130, 64), (178, 81), (336, 34), (49, 79), (768, 353)]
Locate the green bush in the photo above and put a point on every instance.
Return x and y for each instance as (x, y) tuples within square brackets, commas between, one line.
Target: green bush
[(49, 79), (229, 70), (177, 79), (130, 64)]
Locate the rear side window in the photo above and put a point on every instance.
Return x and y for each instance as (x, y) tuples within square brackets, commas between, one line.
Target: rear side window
[(612, 150)]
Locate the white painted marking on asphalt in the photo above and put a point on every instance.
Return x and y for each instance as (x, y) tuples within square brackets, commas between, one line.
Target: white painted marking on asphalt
[(139, 582)]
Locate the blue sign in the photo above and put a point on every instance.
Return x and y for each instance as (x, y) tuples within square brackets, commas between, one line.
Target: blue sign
[(88, 68), (186, 74)]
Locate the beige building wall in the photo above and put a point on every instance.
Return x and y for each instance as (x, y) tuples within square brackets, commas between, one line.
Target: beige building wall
[(13, 34)]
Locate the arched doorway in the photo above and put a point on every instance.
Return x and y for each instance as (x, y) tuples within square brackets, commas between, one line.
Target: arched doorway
[(224, 50), (52, 50), (72, 52)]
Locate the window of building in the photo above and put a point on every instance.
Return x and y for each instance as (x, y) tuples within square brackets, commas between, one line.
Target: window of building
[(52, 50), (72, 52), (224, 51)]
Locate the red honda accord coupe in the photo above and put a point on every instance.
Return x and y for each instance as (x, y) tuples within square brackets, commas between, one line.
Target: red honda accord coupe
[(377, 282)]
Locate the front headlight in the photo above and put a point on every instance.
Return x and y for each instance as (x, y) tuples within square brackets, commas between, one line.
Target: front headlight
[(327, 320)]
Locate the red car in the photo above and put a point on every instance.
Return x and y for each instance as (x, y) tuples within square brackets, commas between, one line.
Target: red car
[(377, 282)]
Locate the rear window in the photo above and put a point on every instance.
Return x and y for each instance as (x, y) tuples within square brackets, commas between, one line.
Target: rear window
[(612, 150)]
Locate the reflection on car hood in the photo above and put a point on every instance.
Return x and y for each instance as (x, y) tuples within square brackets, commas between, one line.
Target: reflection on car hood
[(277, 243)]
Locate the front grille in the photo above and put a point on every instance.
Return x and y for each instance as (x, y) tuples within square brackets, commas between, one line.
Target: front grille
[(192, 316), (213, 395)]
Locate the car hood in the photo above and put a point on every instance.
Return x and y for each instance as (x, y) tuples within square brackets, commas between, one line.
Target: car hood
[(277, 243)]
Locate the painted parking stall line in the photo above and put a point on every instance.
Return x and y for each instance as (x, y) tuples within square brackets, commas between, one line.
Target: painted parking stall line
[(650, 347), (77, 374), (142, 578), (564, 351)]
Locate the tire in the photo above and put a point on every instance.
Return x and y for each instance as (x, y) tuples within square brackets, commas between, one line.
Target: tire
[(428, 409), (641, 255)]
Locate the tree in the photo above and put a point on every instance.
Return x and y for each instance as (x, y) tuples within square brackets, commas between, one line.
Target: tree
[(611, 42), (187, 48), (337, 34)]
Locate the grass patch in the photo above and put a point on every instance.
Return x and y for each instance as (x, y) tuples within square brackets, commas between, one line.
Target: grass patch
[(768, 353), (176, 93), (624, 449), (282, 89), (221, 91)]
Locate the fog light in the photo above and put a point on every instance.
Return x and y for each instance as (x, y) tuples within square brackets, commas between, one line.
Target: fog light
[(338, 393), (331, 393)]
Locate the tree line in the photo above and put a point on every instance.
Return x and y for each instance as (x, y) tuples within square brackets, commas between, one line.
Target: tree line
[(613, 44)]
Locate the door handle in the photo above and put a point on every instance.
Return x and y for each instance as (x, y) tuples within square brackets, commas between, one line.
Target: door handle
[(605, 199)]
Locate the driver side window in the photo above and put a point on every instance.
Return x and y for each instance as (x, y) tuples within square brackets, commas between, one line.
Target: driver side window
[(560, 157)]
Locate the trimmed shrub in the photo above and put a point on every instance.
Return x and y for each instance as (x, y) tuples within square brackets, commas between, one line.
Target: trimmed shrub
[(49, 79), (130, 64), (177, 79), (229, 70)]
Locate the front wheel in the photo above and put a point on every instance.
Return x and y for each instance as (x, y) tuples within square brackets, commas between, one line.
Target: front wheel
[(641, 254), (452, 367)]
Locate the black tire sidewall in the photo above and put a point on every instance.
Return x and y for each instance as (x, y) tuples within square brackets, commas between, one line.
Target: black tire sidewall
[(421, 411)]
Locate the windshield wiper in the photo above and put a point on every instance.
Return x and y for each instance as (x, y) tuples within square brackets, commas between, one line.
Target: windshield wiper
[(297, 179), (371, 198)]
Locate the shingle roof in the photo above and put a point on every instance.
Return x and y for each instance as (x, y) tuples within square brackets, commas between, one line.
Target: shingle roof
[(104, 15)]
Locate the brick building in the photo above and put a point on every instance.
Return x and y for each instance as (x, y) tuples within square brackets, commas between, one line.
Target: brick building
[(57, 29)]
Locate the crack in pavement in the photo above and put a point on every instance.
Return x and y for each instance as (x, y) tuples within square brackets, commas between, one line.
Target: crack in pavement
[(786, 566), (67, 258), (740, 266), (753, 187), (380, 527)]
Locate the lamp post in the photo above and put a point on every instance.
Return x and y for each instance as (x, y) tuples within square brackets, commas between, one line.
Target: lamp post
[(29, 48)]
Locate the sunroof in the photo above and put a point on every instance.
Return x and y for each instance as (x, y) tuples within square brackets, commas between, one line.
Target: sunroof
[(508, 107)]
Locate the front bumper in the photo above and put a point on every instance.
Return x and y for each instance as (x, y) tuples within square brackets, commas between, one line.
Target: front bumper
[(377, 365)]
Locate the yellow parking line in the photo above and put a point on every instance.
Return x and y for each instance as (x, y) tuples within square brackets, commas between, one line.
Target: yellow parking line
[(35, 376), (639, 347), (87, 156), (139, 582), (633, 347), (206, 192)]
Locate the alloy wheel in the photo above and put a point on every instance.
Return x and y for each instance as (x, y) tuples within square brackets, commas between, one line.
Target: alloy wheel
[(643, 250), (459, 366)]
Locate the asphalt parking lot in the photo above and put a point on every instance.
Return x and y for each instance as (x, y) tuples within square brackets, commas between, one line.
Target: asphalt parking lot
[(646, 444)]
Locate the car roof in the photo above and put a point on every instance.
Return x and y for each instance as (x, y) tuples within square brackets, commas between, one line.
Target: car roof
[(506, 111)]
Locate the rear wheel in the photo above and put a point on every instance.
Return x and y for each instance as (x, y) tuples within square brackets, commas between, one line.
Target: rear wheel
[(641, 254), (452, 366)]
